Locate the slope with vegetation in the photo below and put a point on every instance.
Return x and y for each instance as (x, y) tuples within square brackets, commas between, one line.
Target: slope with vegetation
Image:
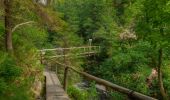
[(133, 35)]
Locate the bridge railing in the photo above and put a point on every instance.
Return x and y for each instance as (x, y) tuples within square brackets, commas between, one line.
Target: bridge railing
[(71, 48), (123, 90), (69, 52)]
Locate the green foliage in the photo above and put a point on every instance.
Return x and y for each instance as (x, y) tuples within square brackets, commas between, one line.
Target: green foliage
[(166, 77), (80, 94), (18, 71), (30, 35), (124, 62), (117, 96), (3, 86), (92, 92), (9, 69), (93, 16), (10, 74), (77, 94), (68, 23)]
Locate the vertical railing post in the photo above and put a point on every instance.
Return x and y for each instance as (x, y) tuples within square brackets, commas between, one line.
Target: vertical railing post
[(84, 50), (65, 71), (65, 78), (90, 42), (41, 59), (42, 53)]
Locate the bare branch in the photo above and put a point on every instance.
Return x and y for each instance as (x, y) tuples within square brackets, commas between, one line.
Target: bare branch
[(21, 24)]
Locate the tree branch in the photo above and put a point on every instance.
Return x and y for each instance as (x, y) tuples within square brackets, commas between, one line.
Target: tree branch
[(21, 24)]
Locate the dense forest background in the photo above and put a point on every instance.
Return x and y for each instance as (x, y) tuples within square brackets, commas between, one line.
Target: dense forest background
[(133, 35)]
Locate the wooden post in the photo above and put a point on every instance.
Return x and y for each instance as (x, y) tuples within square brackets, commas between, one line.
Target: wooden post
[(90, 42), (41, 57), (99, 50), (42, 54), (65, 78), (84, 49), (56, 69), (65, 71)]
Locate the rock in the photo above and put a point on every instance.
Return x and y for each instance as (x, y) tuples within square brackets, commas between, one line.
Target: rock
[(37, 88)]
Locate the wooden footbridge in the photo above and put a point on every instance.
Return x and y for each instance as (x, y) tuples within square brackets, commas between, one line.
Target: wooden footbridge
[(70, 52), (56, 91)]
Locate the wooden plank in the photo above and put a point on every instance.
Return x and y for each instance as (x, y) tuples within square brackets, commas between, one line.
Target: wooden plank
[(54, 89)]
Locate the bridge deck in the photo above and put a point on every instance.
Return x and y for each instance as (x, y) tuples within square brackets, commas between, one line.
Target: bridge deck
[(54, 89)]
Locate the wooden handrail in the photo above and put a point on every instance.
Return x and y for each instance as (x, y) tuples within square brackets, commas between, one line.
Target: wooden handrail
[(115, 87), (71, 55), (69, 48)]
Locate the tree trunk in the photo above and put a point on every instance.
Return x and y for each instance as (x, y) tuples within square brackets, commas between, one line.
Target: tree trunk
[(8, 25), (160, 81)]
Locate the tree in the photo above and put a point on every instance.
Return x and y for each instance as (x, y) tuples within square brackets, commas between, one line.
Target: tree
[(153, 27), (8, 25)]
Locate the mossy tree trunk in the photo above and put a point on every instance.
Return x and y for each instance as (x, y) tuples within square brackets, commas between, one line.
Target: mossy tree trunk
[(160, 80)]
